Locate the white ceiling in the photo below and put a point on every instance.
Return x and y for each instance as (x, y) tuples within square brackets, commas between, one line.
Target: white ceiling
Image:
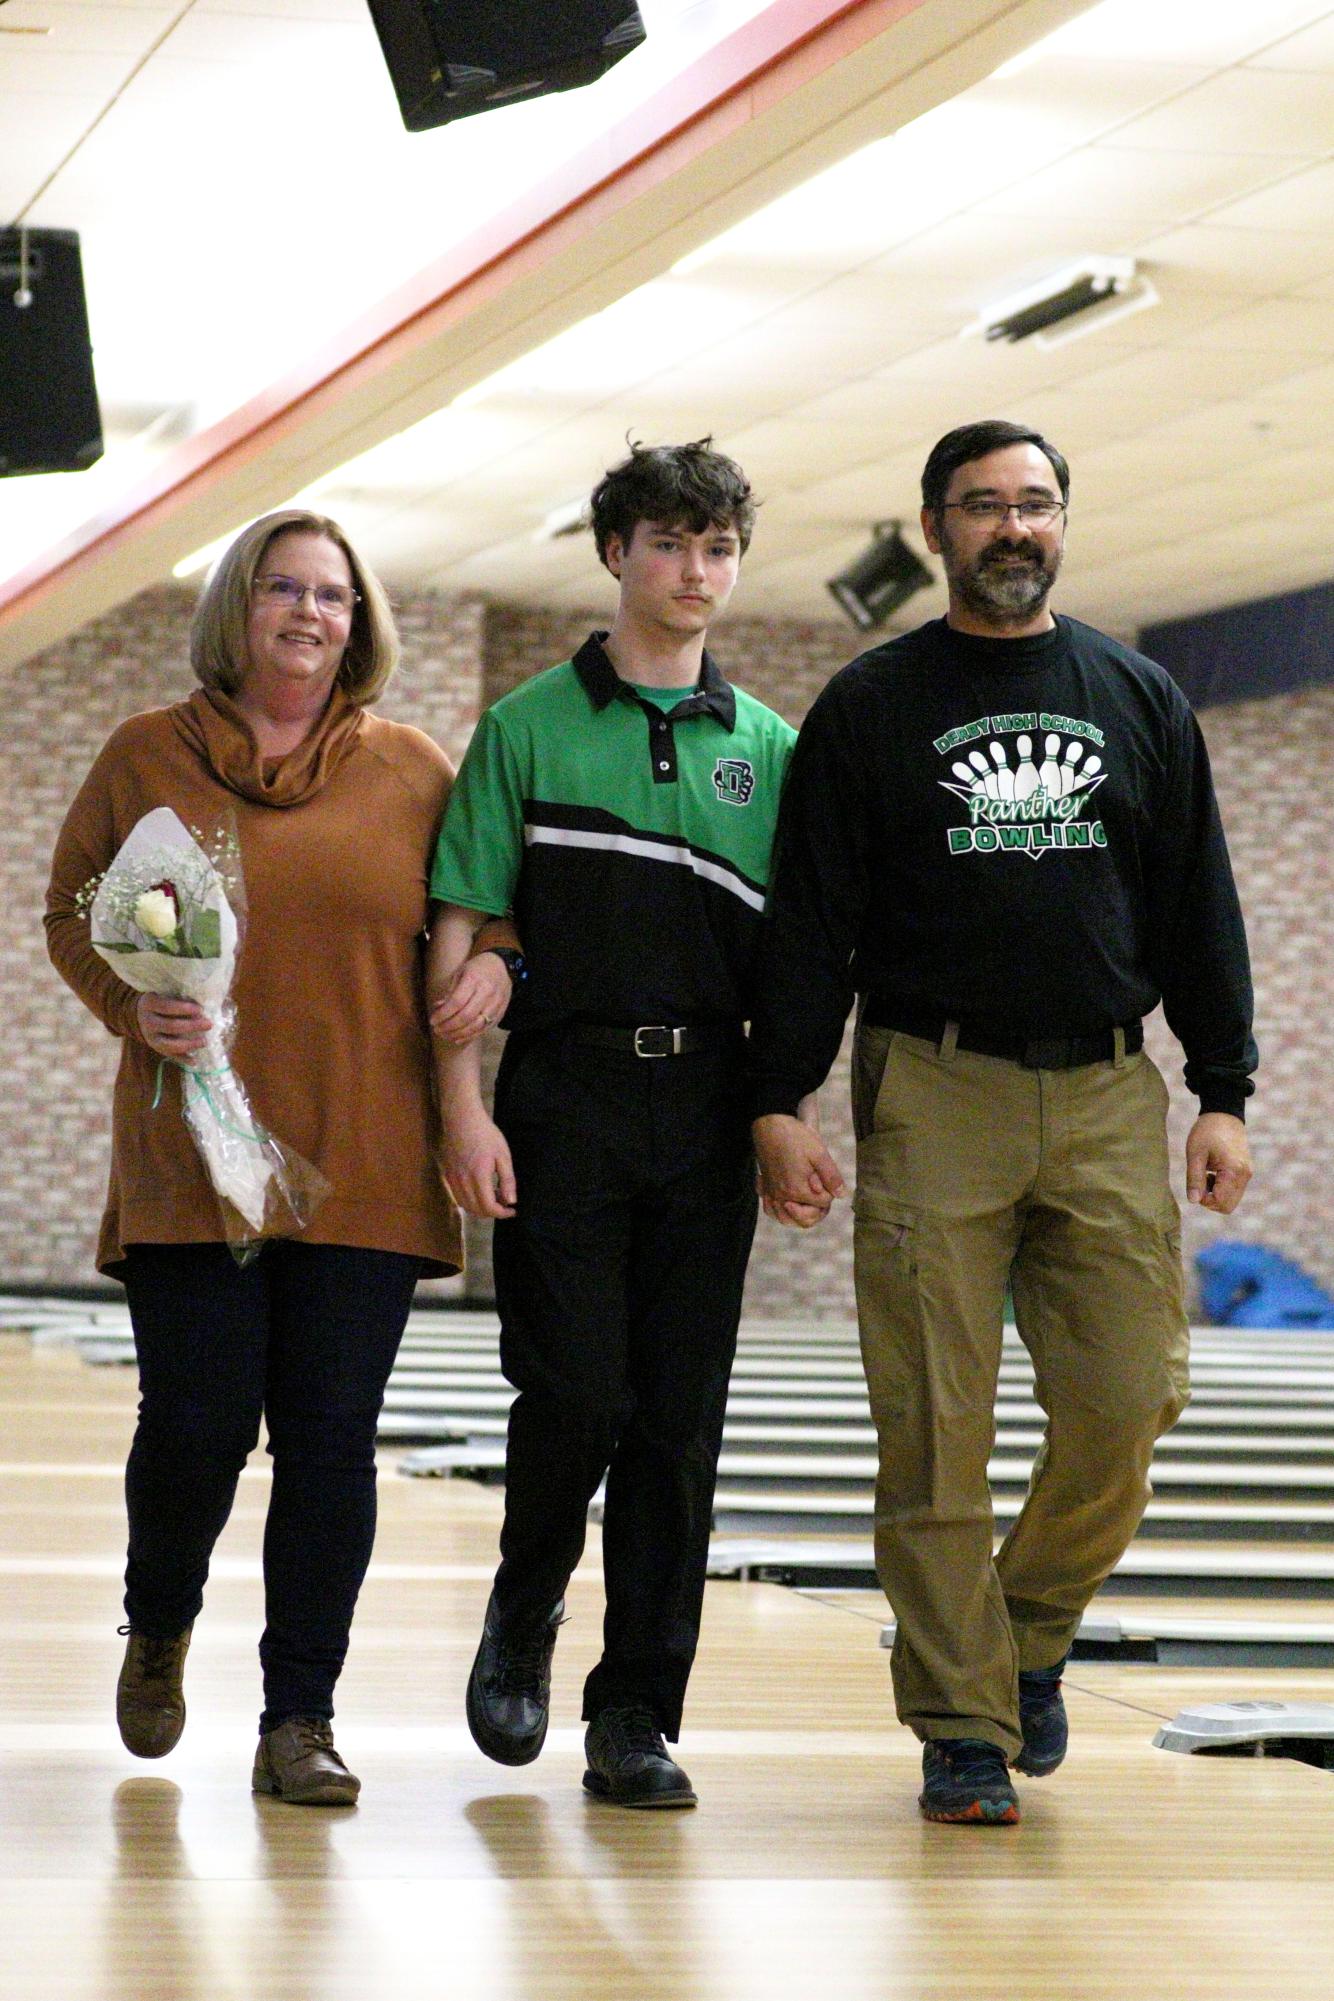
[(223, 199)]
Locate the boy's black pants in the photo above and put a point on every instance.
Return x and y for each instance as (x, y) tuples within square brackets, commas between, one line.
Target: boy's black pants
[(619, 1285)]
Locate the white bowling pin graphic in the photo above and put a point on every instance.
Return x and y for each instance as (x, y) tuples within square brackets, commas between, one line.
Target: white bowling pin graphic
[(1026, 776), (970, 779), (1069, 777), (1004, 775), (1092, 766), (985, 772), (1049, 771)]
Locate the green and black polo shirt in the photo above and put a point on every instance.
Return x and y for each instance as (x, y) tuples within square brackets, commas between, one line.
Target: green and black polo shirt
[(631, 841)]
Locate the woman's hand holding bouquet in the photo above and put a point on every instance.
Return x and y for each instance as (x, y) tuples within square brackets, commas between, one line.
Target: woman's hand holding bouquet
[(163, 918)]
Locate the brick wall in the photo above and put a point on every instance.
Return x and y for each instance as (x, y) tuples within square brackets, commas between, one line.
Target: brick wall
[(1274, 768), (61, 707), (1274, 761), (793, 1275)]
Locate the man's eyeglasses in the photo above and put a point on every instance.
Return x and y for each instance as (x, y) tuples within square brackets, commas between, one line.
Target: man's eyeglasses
[(330, 598), (1033, 513)]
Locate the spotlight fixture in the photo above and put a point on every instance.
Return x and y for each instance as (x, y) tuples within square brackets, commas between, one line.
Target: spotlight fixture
[(882, 578), (1092, 290)]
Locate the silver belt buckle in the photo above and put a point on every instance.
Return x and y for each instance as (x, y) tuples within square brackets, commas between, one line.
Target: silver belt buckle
[(671, 1044)]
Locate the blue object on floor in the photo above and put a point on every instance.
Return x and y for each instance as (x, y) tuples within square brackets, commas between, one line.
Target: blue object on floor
[(1246, 1285)]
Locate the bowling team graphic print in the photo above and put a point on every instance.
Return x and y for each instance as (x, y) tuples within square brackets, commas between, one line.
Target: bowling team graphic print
[(1026, 780)]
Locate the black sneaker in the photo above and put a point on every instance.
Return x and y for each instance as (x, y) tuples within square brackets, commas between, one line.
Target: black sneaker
[(1042, 1719), (629, 1764), (509, 1689), (964, 1779)]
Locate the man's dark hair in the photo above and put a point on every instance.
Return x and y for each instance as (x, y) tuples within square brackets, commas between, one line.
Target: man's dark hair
[(681, 486), (974, 441)]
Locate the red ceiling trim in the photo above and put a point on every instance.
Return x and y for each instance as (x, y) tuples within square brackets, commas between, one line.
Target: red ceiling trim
[(758, 65)]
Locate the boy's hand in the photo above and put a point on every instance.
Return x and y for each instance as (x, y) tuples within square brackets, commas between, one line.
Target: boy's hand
[(475, 1163), (799, 1178), (478, 994)]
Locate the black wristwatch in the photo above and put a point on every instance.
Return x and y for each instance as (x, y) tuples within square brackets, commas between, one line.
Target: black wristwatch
[(513, 961)]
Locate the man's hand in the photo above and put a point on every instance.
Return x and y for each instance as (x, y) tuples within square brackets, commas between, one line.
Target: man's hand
[(1218, 1162), (475, 1162), (477, 995), (799, 1178)]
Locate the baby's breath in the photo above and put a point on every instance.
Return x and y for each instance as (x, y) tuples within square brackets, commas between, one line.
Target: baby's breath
[(192, 875)]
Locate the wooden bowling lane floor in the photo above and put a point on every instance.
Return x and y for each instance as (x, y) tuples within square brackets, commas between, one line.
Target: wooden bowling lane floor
[(1137, 1875)]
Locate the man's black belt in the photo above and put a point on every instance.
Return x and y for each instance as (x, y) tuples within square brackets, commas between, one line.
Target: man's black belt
[(657, 1038), (1064, 1052)]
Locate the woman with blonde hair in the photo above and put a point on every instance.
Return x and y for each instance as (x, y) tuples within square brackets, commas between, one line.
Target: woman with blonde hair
[(336, 811)]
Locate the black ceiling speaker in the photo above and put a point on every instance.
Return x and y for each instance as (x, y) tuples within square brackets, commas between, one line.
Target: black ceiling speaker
[(451, 58), (49, 419), (882, 578)]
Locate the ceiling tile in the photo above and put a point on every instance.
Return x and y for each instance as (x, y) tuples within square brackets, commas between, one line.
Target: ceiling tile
[(208, 35), (1240, 111), (1093, 94), (981, 255), (1297, 326), (1167, 379), (1223, 31), (1118, 185), (1309, 389), (1300, 201), (1200, 443), (39, 130), (1238, 260), (886, 489), (44, 69), (294, 10), (778, 452), (91, 30), (818, 341), (1310, 49)]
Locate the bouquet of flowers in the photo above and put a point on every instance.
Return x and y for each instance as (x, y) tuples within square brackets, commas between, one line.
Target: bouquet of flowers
[(164, 917)]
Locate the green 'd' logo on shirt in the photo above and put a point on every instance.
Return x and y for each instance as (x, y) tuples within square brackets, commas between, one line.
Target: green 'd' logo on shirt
[(734, 780)]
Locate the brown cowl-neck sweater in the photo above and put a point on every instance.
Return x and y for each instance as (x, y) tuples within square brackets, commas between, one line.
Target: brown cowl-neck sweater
[(331, 1041)]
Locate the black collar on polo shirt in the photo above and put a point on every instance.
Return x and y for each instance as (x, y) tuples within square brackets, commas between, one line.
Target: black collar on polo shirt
[(713, 695)]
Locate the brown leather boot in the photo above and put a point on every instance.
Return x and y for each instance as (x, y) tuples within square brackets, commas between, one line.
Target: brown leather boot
[(297, 1762), (150, 1703)]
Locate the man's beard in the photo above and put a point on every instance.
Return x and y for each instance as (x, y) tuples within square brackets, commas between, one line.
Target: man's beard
[(1005, 586)]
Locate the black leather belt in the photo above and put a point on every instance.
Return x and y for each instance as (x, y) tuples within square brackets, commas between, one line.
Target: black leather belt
[(1065, 1052), (656, 1039)]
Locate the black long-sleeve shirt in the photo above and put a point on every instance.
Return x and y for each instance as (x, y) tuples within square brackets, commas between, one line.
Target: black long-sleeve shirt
[(1020, 833)]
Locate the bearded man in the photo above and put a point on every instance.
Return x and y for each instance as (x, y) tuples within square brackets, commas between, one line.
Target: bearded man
[(1000, 832)]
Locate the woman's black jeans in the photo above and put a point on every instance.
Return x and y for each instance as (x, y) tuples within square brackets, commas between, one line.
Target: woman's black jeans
[(305, 1336)]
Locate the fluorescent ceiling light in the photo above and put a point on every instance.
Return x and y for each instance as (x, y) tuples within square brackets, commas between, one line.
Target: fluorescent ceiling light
[(571, 518), (1118, 305), (703, 253), (1015, 65), (1082, 295), (205, 558)]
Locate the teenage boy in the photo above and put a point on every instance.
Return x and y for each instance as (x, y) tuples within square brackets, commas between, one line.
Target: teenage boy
[(622, 806)]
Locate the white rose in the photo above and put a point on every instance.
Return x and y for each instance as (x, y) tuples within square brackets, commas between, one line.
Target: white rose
[(155, 913)]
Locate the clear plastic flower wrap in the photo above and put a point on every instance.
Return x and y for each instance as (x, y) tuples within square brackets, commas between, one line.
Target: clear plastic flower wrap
[(165, 916)]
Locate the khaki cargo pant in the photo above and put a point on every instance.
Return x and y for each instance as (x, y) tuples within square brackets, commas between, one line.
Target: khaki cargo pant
[(972, 1171)]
